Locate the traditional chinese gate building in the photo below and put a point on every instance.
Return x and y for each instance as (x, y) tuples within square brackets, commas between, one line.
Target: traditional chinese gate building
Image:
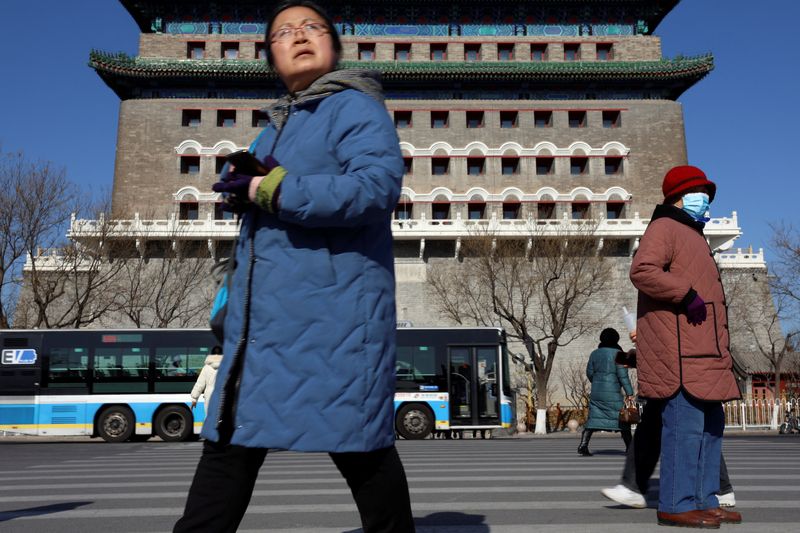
[(509, 113)]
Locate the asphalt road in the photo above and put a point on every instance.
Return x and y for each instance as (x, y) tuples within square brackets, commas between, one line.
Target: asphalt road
[(466, 486)]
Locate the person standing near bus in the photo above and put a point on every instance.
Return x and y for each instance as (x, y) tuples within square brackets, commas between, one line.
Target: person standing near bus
[(683, 349), (310, 327), (208, 376)]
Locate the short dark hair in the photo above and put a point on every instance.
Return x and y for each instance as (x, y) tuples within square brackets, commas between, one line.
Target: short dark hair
[(216, 350), (286, 4)]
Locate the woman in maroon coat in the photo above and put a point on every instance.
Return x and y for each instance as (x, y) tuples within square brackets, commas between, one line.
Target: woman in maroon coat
[(683, 349)]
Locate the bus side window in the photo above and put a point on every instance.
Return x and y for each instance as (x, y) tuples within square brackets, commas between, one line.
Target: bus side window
[(68, 367), (196, 360), (135, 365), (416, 364), (177, 367)]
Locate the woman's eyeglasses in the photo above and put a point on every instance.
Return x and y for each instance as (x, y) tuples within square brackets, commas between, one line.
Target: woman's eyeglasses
[(312, 29)]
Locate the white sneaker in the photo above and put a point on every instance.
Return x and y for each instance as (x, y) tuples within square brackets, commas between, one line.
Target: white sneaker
[(726, 500), (625, 496)]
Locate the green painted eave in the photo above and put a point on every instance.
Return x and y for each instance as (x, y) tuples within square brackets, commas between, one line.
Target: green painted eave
[(122, 66)]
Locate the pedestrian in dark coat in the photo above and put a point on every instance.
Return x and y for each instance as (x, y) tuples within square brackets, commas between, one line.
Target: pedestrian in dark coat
[(310, 324), (607, 379), (683, 348)]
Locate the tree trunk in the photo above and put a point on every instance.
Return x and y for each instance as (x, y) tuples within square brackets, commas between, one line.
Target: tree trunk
[(541, 404), (776, 397), (541, 422)]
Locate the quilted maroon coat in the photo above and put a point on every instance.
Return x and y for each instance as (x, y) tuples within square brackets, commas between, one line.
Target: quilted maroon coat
[(673, 264)]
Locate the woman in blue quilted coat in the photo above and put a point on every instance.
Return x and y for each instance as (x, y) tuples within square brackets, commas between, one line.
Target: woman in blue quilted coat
[(311, 313), (607, 378)]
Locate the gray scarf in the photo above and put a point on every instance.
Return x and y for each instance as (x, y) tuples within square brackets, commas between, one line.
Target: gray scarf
[(365, 81)]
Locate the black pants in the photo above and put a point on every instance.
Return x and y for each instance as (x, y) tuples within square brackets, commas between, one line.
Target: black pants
[(226, 475), (644, 451)]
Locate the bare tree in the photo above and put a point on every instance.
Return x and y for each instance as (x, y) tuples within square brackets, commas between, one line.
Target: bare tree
[(36, 200), (792, 364), (758, 316), (786, 266), (537, 288), (166, 284), (70, 283), (577, 387)]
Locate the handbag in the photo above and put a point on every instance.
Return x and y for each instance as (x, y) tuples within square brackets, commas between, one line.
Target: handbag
[(629, 414), (223, 272)]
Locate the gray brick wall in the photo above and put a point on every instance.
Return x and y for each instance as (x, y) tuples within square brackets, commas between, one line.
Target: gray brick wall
[(652, 130), (147, 171)]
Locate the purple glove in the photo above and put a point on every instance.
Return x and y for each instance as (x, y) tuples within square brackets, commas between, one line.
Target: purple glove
[(233, 183), (235, 186), (696, 311)]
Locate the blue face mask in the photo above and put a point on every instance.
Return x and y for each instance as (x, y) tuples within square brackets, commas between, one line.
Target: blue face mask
[(696, 204)]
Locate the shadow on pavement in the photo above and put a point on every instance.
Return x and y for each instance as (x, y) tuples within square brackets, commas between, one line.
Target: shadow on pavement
[(476, 522), (38, 511), (449, 521), (608, 452)]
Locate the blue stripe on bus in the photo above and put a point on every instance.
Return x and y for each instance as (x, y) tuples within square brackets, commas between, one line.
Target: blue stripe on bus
[(79, 413)]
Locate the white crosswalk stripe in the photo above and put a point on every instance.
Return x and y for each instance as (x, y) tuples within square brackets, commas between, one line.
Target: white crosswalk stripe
[(467, 486)]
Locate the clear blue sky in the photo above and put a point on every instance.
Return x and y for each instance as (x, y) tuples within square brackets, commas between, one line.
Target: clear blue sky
[(741, 121)]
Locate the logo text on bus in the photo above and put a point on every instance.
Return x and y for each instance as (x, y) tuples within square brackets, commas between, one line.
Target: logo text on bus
[(19, 357)]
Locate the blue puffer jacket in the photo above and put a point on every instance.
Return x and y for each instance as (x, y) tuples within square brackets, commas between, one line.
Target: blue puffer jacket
[(607, 378), (319, 362)]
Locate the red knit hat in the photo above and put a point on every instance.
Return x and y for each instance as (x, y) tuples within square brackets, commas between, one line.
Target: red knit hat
[(683, 178)]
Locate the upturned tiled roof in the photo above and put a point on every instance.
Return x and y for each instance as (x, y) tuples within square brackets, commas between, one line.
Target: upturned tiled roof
[(678, 74)]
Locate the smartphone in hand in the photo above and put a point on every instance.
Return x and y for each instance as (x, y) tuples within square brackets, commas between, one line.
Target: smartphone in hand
[(246, 163)]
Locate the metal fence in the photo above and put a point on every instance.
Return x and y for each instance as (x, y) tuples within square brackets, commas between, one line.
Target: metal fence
[(758, 413)]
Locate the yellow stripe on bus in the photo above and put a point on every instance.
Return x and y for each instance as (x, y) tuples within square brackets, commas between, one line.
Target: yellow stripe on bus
[(9, 427)]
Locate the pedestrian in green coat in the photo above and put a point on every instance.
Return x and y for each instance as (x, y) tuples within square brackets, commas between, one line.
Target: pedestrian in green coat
[(607, 378)]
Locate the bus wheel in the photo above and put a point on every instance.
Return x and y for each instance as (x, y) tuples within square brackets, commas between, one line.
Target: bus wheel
[(414, 421), (115, 424), (174, 423)]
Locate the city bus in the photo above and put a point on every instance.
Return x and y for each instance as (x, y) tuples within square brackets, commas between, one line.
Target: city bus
[(450, 380), (132, 384)]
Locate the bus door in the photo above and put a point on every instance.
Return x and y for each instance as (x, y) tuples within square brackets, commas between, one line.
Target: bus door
[(472, 383)]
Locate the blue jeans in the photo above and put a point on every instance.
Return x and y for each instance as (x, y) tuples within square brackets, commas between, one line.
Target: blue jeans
[(691, 446)]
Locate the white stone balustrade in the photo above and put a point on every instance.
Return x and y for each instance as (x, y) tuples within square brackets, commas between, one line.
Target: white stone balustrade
[(742, 259), (721, 232), (52, 259), (171, 228)]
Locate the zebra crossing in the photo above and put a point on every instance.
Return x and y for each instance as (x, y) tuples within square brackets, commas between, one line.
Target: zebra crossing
[(464, 486)]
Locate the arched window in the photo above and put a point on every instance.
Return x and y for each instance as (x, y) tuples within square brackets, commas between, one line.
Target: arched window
[(615, 207), (511, 208), (476, 208), (546, 208), (189, 208), (440, 209), (404, 209), (580, 208)]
